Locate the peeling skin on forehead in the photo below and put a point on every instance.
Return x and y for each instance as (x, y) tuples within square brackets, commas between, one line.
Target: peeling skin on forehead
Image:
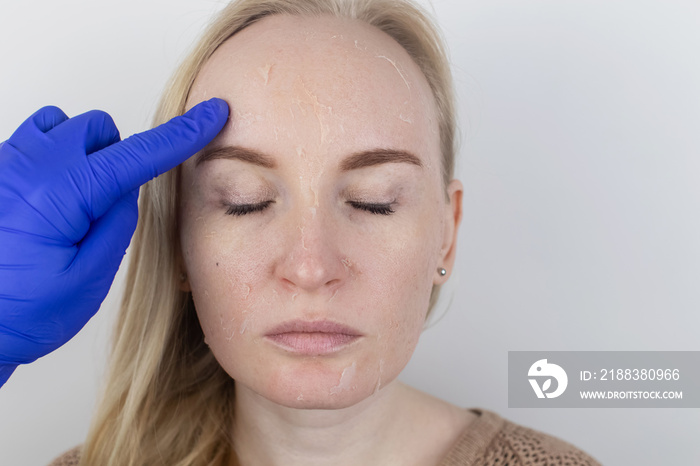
[(314, 80), (265, 72)]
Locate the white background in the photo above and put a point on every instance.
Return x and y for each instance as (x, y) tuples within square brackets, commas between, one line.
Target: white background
[(580, 159)]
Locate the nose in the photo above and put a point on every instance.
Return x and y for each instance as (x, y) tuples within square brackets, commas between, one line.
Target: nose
[(312, 261)]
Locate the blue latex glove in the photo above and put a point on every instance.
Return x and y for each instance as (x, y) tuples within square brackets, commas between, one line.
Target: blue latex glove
[(68, 209)]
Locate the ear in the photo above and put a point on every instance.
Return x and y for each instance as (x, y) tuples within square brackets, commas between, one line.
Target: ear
[(181, 271), (184, 283), (453, 218)]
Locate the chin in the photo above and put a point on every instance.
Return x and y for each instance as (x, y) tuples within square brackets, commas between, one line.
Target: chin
[(318, 386), (313, 399)]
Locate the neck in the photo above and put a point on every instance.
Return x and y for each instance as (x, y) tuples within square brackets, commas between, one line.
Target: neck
[(365, 433)]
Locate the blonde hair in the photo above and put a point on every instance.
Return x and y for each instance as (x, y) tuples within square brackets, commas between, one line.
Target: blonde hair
[(166, 400)]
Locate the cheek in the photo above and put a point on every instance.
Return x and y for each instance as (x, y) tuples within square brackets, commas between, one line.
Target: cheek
[(398, 277), (225, 274), (402, 262)]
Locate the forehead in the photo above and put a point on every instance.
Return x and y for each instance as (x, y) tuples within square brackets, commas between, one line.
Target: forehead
[(319, 84)]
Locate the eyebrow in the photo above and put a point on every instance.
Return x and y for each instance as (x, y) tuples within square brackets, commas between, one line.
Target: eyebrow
[(378, 157), (355, 161), (239, 153)]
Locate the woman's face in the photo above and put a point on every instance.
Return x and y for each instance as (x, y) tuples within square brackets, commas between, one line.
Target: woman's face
[(320, 208)]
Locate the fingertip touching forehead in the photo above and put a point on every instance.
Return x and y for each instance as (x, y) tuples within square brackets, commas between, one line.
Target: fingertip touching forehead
[(320, 87)]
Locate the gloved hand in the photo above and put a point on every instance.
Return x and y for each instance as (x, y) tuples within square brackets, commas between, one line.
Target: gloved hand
[(68, 209)]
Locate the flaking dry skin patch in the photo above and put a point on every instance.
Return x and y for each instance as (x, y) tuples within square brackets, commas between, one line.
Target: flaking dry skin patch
[(265, 72), (393, 63), (379, 378), (346, 379)]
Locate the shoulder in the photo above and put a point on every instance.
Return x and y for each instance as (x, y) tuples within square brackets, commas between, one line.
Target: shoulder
[(69, 458), (492, 440), (533, 447)]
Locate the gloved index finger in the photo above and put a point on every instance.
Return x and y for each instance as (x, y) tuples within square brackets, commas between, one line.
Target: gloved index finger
[(126, 165)]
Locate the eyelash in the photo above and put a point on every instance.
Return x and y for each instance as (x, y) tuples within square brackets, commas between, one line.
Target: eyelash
[(374, 208), (371, 207), (243, 209)]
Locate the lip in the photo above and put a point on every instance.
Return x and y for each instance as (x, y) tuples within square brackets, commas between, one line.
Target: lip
[(312, 338)]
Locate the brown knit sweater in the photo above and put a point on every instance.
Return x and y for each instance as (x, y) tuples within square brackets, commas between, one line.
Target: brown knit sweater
[(488, 441)]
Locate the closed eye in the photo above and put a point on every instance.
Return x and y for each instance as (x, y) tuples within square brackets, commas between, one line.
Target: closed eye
[(243, 209), (372, 207)]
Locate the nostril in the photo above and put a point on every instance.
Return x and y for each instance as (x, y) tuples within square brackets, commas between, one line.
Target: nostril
[(333, 282), (288, 287)]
